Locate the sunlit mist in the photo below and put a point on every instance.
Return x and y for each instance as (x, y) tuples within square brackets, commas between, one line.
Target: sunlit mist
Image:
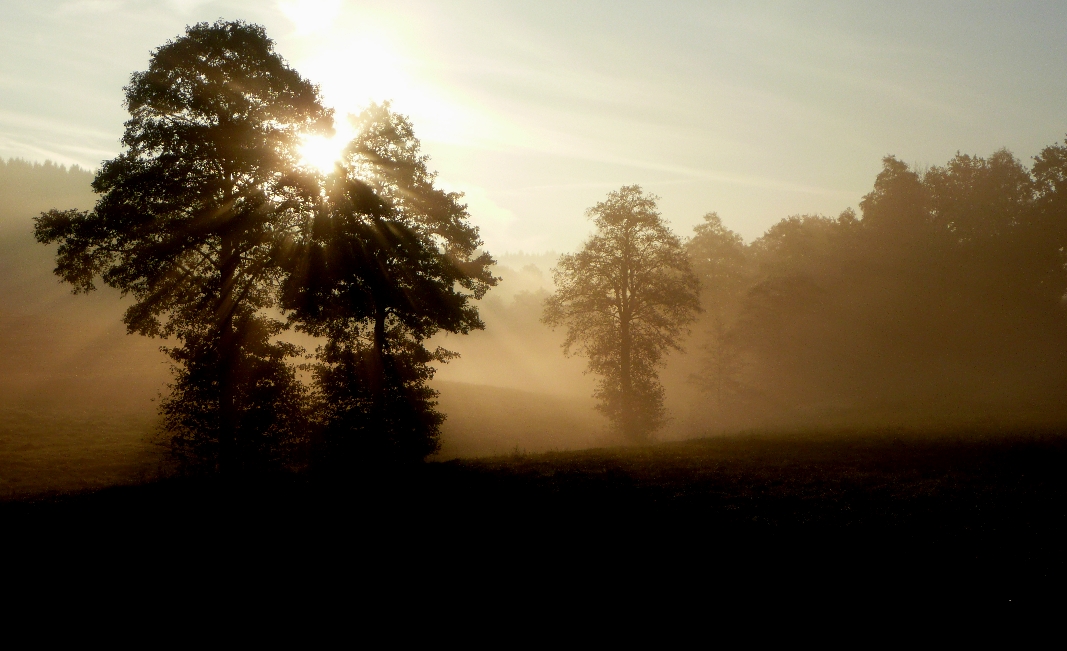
[(770, 277)]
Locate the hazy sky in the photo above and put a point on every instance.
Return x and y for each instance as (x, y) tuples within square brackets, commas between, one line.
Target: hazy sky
[(537, 109)]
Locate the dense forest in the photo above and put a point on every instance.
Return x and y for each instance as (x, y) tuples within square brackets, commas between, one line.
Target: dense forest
[(940, 304)]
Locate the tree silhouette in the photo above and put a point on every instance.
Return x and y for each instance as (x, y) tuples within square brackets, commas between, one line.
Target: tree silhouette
[(625, 299), (390, 260), (194, 219)]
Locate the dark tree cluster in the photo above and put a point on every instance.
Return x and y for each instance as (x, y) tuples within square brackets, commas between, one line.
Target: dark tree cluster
[(224, 239), (942, 303)]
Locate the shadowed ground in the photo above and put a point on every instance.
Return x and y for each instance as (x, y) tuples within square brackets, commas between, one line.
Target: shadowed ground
[(969, 510)]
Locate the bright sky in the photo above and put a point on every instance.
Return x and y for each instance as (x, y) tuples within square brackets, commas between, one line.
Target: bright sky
[(537, 109)]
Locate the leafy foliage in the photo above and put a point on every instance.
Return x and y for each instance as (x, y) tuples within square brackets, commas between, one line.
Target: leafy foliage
[(376, 410), (273, 423)]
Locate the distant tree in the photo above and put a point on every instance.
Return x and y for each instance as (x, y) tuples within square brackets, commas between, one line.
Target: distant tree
[(800, 282), (898, 205), (1050, 172), (977, 199), (1048, 228), (625, 299), (719, 261), (390, 260), (194, 218)]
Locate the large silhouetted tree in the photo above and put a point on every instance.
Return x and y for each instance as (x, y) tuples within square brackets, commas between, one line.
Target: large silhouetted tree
[(625, 299), (194, 218), (390, 260)]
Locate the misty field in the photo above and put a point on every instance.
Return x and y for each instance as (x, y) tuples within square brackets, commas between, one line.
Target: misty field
[(49, 448)]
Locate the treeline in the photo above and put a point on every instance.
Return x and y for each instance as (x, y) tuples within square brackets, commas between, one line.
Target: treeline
[(942, 303), (25, 186)]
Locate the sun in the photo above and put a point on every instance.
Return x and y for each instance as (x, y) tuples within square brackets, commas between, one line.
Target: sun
[(321, 152)]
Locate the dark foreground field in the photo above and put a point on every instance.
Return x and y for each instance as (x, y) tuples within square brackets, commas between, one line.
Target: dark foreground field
[(983, 512)]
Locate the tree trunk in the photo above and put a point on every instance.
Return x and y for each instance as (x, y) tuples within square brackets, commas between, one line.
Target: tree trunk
[(377, 379), (228, 340), (625, 381), (229, 352), (629, 426)]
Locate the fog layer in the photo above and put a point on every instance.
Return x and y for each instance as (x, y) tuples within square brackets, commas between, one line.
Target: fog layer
[(940, 305)]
